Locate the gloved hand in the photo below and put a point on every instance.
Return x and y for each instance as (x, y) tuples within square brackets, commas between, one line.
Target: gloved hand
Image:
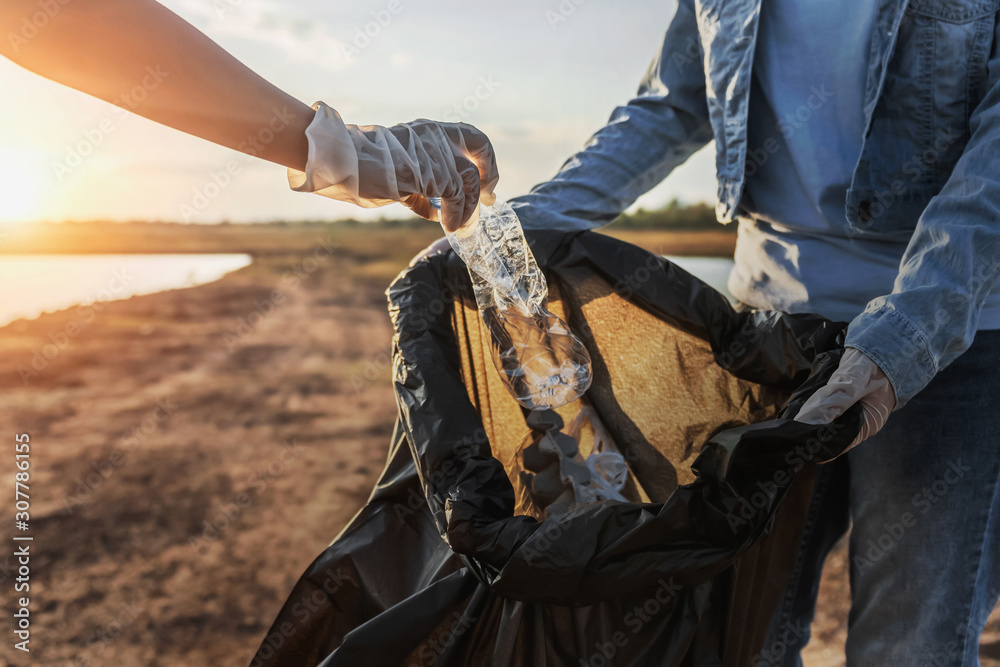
[(409, 163), (857, 378)]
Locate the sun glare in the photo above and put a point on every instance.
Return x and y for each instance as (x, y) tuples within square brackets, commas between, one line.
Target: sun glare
[(22, 183)]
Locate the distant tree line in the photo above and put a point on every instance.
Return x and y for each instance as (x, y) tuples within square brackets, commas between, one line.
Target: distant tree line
[(672, 217), (675, 216)]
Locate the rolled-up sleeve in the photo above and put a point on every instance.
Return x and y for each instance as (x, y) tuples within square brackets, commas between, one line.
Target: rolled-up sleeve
[(642, 143), (950, 265)]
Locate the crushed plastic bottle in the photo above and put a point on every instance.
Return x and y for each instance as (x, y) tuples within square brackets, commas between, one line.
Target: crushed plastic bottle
[(541, 362)]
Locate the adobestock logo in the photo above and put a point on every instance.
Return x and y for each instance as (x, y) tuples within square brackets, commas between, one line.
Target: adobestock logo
[(366, 34), (462, 110), (33, 24)]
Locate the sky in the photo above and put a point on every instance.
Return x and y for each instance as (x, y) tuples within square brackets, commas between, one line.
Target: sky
[(539, 77)]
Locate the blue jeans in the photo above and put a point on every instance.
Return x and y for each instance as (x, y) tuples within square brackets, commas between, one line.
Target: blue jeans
[(924, 497)]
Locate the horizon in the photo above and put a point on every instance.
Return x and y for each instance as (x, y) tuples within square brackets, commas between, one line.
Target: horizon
[(539, 82)]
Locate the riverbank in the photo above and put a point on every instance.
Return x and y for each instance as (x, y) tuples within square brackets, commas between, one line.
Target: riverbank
[(193, 450), (276, 238)]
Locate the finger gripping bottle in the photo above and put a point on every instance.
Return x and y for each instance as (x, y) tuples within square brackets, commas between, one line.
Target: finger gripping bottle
[(541, 362)]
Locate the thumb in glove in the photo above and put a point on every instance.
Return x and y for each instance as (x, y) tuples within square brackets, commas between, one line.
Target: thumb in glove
[(857, 378)]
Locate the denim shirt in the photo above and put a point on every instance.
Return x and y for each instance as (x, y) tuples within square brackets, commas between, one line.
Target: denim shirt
[(929, 168)]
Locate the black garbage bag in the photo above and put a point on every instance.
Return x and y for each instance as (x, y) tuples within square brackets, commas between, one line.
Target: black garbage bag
[(455, 560)]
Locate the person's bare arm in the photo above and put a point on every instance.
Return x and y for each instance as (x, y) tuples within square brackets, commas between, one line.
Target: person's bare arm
[(107, 48), (113, 49)]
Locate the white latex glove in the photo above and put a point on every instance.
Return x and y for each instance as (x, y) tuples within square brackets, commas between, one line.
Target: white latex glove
[(409, 163), (857, 378)]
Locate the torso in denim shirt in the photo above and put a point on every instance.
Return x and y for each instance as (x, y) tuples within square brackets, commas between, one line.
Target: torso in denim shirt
[(926, 72)]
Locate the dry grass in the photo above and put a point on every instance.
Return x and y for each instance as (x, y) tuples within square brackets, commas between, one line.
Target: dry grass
[(388, 243), (314, 370), (701, 244)]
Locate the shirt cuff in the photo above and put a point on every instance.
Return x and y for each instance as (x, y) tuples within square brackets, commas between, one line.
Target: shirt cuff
[(536, 211), (896, 346)]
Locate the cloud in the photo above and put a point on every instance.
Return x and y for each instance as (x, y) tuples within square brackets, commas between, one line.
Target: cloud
[(302, 38)]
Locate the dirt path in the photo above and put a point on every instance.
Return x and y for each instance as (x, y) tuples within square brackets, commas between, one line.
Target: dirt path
[(194, 450)]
